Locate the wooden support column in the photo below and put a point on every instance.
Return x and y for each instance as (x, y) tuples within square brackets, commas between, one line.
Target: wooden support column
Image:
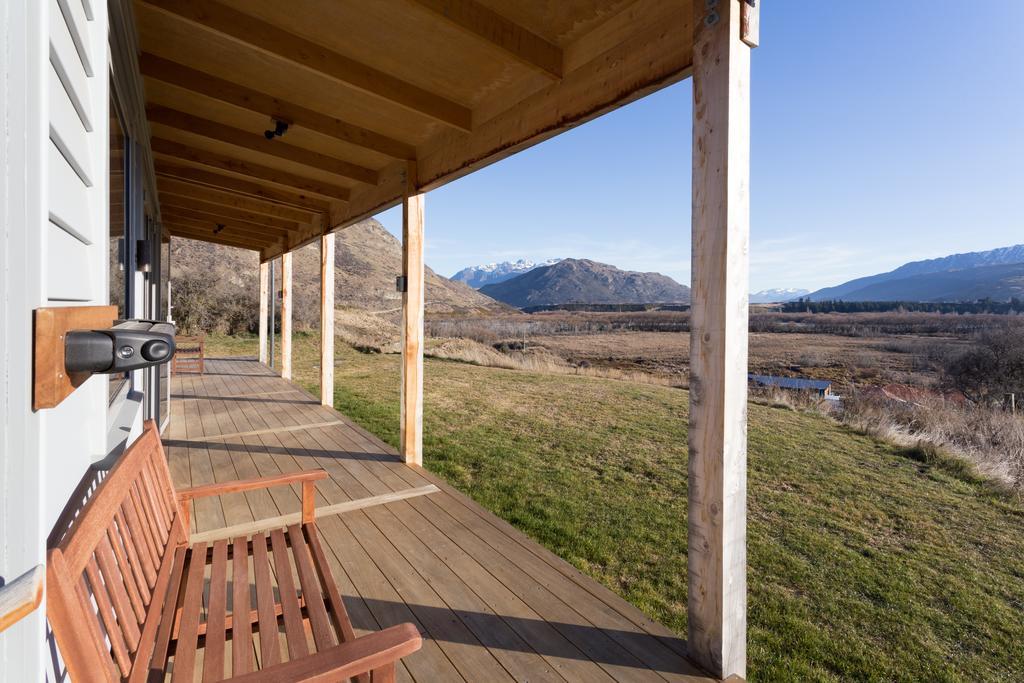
[(264, 309), (286, 315), (412, 321), (327, 319), (717, 561)]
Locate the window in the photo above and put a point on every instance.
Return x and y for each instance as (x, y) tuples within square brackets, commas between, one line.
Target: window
[(120, 243)]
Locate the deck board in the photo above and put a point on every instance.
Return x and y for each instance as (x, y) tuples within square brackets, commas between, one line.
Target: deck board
[(491, 603)]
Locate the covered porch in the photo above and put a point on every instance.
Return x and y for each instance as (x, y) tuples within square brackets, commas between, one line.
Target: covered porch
[(272, 126), (404, 546)]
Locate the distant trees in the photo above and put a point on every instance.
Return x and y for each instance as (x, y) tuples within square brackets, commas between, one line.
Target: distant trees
[(991, 369), (1014, 305), (204, 304)]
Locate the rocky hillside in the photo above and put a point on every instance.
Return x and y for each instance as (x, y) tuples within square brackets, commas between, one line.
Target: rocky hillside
[(367, 260), (587, 282), (978, 281)]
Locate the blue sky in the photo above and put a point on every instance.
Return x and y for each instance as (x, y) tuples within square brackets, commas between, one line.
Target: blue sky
[(882, 133)]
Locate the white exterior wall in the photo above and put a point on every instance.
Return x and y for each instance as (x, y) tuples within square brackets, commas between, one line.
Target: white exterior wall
[(54, 79)]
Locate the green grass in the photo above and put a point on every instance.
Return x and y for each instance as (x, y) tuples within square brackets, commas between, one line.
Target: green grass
[(866, 561)]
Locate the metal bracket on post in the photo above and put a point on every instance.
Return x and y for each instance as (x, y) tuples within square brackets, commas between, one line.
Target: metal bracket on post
[(750, 23)]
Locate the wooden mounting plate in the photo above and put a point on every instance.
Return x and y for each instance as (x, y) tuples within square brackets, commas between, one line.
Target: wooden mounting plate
[(51, 384)]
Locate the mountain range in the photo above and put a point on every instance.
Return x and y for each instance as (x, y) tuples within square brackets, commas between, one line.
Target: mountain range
[(493, 273), (777, 296), (588, 282), (997, 274)]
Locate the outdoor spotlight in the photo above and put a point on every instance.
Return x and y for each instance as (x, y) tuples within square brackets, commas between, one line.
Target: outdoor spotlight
[(280, 128), (143, 256)]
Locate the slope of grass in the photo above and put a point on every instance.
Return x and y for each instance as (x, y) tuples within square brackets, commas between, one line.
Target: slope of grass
[(864, 562)]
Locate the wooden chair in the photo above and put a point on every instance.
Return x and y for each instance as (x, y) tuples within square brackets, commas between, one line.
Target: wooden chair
[(126, 592), (189, 354)]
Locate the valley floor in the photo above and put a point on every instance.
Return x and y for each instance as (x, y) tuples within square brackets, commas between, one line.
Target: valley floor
[(864, 562)]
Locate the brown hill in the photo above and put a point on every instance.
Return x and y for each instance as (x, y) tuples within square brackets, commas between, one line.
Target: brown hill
[(587, 282), (367, 260)]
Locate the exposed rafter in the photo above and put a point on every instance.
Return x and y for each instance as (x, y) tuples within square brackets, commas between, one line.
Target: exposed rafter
[(197, 213), (213, 227), (485, 23), (177, 150), (184, 201), (256, 141), (208, 236), (196, 81), (297, 198), (270, 39), (184, 188)]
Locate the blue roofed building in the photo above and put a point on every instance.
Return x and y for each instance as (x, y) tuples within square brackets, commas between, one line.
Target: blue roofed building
[(819, 386)]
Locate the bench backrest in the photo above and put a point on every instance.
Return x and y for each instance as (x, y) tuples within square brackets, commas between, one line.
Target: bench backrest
[(111, 568)]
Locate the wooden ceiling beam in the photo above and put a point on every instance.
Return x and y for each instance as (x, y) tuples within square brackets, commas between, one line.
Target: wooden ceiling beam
[(200, 236), (226, 183), (177, 150), (168, 185), (270, 39), (257, 142), (166, 71), (201, 220), (226, 230), (175, 204), (486, 24)]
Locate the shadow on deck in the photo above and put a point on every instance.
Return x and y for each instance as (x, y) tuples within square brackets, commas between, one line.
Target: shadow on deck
[(491, 603)]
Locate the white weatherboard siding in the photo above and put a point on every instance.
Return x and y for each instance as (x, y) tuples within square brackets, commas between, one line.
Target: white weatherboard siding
[(53, 251)]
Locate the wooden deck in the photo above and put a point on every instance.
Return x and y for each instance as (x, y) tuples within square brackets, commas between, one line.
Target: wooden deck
[(491, 604)]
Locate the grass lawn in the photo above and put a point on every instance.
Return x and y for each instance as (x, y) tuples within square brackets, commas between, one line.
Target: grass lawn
[(864, 562)]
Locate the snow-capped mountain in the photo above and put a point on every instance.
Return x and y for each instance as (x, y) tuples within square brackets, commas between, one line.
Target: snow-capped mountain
[(493, 273), (872, 288), (777, 296)]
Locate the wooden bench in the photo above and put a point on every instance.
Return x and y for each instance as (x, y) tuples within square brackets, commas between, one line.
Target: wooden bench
[(189, 354), (129, 599)]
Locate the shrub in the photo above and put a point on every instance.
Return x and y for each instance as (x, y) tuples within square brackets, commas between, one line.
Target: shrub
[(989, 370)]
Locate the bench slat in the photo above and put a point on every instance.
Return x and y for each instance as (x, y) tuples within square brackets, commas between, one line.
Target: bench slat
[(127, 573), (311, 592), (213, 662), (296, 634), (338, 612), (152, 495), (131, 547), (142, 543), (112, 578), (188, 635), (270, 652), (149, 531), (165, 625), (241, 606), (106, 611)]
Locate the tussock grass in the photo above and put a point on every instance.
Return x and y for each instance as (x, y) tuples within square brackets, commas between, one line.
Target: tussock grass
[(865, 560), (979, 442)]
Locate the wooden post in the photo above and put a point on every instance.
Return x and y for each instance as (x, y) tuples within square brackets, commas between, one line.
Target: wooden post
[(327, 319), (286, 315), (717, 553), (411, 439), (264, 305)]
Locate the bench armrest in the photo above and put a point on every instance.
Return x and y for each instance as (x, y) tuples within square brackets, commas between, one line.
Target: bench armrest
[(373, 652), (221, 488), (307, 478)]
